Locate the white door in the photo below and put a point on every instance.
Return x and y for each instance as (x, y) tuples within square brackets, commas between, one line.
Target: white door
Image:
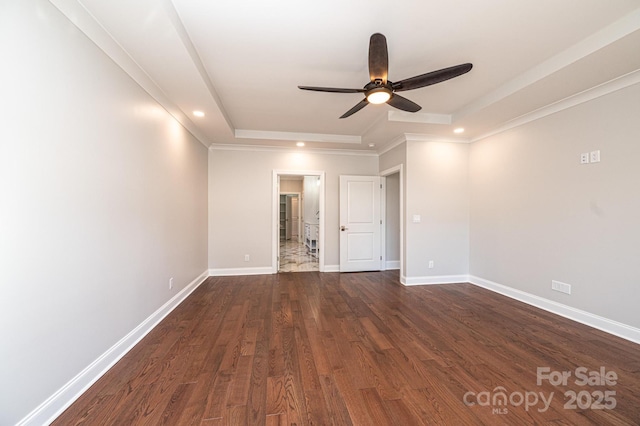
[(360, 227)]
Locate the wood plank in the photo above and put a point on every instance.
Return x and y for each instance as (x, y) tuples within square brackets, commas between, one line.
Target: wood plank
[(336, 409), (257, 397), (276, 402), (240, 381), (216, 396), (343, 349)]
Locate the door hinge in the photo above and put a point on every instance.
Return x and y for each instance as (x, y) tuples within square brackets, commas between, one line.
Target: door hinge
[(380, 257), (380, 221), (380, 186)]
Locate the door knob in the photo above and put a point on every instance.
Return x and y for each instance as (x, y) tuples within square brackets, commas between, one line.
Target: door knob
[(343, 228)]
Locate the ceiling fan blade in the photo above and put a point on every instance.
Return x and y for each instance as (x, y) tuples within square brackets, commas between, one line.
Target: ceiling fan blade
[(378, 58), (363, 103), (404, 104), (430, 78), (331, 89)]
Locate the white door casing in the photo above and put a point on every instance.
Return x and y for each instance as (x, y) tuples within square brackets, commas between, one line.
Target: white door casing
[(360, 228)]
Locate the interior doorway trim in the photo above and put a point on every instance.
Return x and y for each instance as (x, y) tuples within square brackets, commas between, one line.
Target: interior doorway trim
[(275, 214), (393, 170)]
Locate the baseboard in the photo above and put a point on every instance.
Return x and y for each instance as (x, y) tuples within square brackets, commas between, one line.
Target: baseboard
[(392, 264), (50, 409), (436, 279), (624, 331), (226, 272)]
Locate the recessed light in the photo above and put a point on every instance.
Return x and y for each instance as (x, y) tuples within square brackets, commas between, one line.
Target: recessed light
[(371, 145), (299, 143), (459, 130), (198, 113)]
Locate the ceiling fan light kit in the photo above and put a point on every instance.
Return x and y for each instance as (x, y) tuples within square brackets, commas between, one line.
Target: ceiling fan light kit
[(379, 90), (379, 95)]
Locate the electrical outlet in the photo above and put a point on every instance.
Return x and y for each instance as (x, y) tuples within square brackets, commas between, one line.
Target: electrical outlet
[(431, 264), (561, 287), (170, 283), (584, 158), (247, 258)]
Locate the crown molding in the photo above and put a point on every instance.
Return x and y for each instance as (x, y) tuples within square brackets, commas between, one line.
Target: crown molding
[(295, 136), (585, 96), (419, 137), (79, 16), (263, 148), (393, 144), (609, 34), (82, 18)]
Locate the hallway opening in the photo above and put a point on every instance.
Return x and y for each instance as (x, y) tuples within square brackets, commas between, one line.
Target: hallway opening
[(299, 222)]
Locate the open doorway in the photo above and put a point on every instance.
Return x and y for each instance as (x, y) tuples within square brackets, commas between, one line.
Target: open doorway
[(393, 250), (298, 233), (392, 221), (290, 217)]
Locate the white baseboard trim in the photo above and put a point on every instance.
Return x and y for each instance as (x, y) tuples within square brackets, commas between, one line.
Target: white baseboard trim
[(226, 272), (331, 268), (436, 279), (392, 264), (607, 325), (51, 408)]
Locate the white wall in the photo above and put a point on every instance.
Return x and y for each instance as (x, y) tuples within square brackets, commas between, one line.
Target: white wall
[(393, 158), (437, 189), (240, 210), (291, 186), (102, 199), (538, 215)]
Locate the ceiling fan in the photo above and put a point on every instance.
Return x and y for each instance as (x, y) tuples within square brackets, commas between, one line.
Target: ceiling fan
[(380, 90)]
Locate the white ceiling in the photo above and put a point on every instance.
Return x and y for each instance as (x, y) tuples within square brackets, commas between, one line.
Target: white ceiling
[(241, 62)]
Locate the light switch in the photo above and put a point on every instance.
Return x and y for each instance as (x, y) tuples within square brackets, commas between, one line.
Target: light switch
[(416, 218), (595, 156)]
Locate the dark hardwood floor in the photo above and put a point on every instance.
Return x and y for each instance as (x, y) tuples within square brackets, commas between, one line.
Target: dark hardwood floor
[(310, 348)]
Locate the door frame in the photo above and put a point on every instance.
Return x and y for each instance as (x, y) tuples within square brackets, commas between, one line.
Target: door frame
[(390, 171), (275, 214)]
